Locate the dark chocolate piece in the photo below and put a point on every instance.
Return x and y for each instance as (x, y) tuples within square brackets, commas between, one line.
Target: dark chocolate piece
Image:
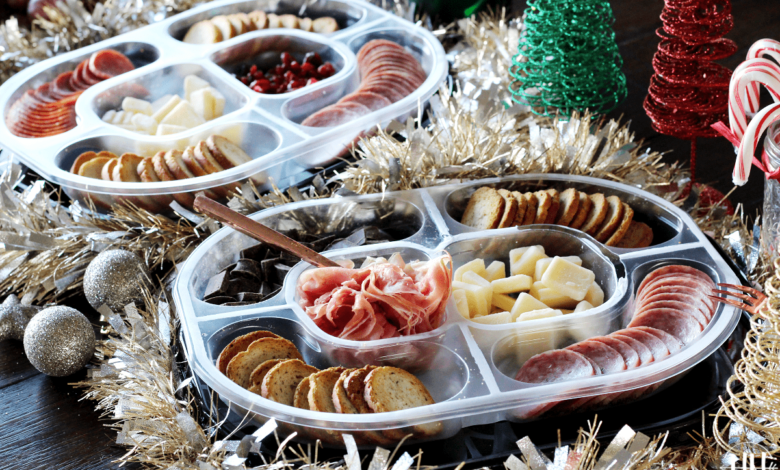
[(247, 268), (220, 300), (287, 258), (237, 304), (267, 265), (250, 297), (217, 285), (227, 269), (281, 271), (240, 284), (257, 252), (265, 289)]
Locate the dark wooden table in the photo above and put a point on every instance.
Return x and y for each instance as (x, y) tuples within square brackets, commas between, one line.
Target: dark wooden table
[(44, 425)]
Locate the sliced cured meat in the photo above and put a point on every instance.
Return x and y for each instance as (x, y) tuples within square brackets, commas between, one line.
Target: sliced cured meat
[(553, 366), (109, 63), (671, 342), (644, 353), (61, 85), (687, 299), (681, 326), (683, 280), (675, 268), (630, 356), (372, 101), (679, 289), (388, 92), (44, 93), (656, 346), (90, 77), (688, 309), (81, 72), (376, 43), (76, 82), (353, 107), (704, 283), (328, 117), (606, 358)]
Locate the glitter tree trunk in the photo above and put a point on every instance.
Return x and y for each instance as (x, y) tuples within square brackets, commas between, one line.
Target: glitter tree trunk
[(688, 92), (567, 58)]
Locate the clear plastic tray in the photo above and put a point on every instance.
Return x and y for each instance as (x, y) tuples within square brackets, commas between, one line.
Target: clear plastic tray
[(467, 367), (266, 126)]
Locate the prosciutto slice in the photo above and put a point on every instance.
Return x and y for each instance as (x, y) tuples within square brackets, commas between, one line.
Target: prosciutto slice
[(382, 300)]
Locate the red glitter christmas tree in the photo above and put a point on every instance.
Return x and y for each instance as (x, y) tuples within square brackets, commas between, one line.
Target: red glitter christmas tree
[(688, 92)]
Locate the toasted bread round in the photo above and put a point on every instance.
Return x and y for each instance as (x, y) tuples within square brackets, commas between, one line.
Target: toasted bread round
[(521, 205), (321, 389), (582, 211), (639, 235), (289, 21), (259, 18), (148, 175), (108, 169), (354, 385), (203, 32), (555, 204), (80, 160), (569, 206), (325, 25), (226, 153), (205, 158), (484, 210), (597, 214), (107, 154), (190, 162), (164, 174), (280, 383), (240, 368), (306, 24), (544, 202), (260, 371), (273, 21), (531, 204), (341, 401), (126, 171), (238, 25), (301, 398), (225, 27), (238, 345), (392, 389), (510, 209), (93, 169), (612, 220), (249, 25), (622, 229)]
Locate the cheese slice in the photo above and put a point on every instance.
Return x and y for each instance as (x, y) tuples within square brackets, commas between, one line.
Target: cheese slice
[(160, 102), (538, 314), (183, 115), (525, 303), (166, 108), (475, 298), (568, 279), (109, 116), (496, 270), (516, 254), (527, 263), (471, 277), (494, 318), (512, 284), (543, 264), (551, 297), (595, 296), (503, 302), (168, 129), (582, 306), (144, 123), (193, 83), (461, 303), (476, 265), (135, 105)]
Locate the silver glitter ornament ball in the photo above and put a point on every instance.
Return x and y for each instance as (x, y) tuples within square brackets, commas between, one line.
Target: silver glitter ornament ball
[(14, 318), (116, 278), (59, 341)]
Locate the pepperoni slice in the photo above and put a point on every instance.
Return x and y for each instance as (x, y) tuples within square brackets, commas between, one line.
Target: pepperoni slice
[(61, 85), (657, 346), (354, 107), (645, 353), (388, 92), (691, 300), (44, 93), (372, 101), (630, 356), (329, 117), (675, 268), (109, 63), (671, 342), (688, 309), (607, 359), (675, 288), (681, 326), (374, 44), (76, 82)]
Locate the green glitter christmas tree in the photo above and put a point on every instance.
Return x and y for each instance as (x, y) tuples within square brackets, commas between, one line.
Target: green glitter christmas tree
[(567, 58)]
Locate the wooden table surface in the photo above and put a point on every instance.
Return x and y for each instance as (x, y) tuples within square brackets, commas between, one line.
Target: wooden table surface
[(43, 423)]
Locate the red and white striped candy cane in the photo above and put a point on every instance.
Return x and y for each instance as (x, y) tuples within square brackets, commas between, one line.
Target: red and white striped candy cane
[(750, 72), (747, 148), (761, 48)]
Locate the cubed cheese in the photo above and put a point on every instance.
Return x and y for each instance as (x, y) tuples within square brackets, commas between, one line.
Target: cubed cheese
[(512, 284), (527, 263), (193, 83), (475, 298), (516, 254), (476, 265), (118, 117), (145, 123), (128, 117), (219, 103), (582, 306), (109, 115), (503, 302), (595, 296), (568, 278), (542, 264), (202, 102), (461, 303), (135, 105), (496, 270), (168, 129), (183, 115), (166, 108), (525, 303), (494, 318), (537, 314), (471, 277), (160, 102), (551, 297)]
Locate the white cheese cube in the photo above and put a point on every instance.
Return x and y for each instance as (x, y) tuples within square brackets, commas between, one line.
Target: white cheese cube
[(503, 302), (475, 298), (543, 264), (461, 303), (595, 296), (183, 115), (494, 318), (496, 270), (168, 129), (128, 117), (551, 297), (145, 123), (512, 284), (527, 263), (135, 105), (193, 83), (537, 314), (476, 265), (568, 278), (219, 103), (471, 277), (516, 254), (109, 115), (202, 102), (582, 306), (525, 303), (166, 108), (118, 117), (160, 102)]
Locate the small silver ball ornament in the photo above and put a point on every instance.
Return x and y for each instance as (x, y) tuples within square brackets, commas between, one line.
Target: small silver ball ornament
[(116, 278), (59, 341), (14, 318)]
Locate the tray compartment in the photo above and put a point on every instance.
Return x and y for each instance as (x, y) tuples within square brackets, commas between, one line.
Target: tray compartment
[(167, 80), (345, 14), (668, 228)]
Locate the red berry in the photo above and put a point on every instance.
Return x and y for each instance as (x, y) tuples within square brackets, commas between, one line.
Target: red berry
[(253, 69), (257, 75), (307, 69), (326, 70), (245, 80), (312, 81), (295, 67), (312, 58)]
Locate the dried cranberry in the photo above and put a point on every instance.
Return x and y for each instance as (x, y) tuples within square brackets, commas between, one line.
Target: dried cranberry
[(307, 69), (325, 70), (278, 70), (295, 67), (286, 58), (312, 81), (245, 80), (289, 75), (253, 69), (312, 58)]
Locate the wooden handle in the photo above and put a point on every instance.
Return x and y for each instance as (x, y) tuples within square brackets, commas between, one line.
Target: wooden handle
[(260, 232)]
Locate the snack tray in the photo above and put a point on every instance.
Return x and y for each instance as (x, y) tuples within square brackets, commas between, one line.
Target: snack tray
[(267, 127), (468, 368)]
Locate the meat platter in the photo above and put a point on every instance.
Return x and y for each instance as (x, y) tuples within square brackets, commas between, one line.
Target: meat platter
[(289, 84), (635, 315)]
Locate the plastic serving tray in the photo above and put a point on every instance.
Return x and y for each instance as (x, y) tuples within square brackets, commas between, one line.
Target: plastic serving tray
[(467, 367), (266, 126)]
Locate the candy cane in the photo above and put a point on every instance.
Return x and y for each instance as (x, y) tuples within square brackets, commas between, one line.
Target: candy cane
[(761, 48), (750, 72), (746, 154)]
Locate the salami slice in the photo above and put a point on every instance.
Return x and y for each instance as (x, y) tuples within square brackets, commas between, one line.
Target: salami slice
[(372, 101), (61, 85), (376, 43), (630, 356), (606, 358), (671, 342), (357, 108), (688, 309), (645, 353), (76, 82), (679, 289), (681, 280), (681, 326), (44, 93), (675, 268), (90, 77), (390, 93), (687, 299), (109, 63), (329, 117), (657, 346), (553, 366)]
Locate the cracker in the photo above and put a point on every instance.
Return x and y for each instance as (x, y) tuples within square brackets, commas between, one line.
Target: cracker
[(612, 220), (321, 389), (240, 344), (510, 209), (522, 204), (596, 215), (240, 368), (555, 204), (259, 373), (301, 398), (484, 210), (530, 208), (582, 211), (544, 201), (281, 381), (639, 235), (569, 206), (620, 232)]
